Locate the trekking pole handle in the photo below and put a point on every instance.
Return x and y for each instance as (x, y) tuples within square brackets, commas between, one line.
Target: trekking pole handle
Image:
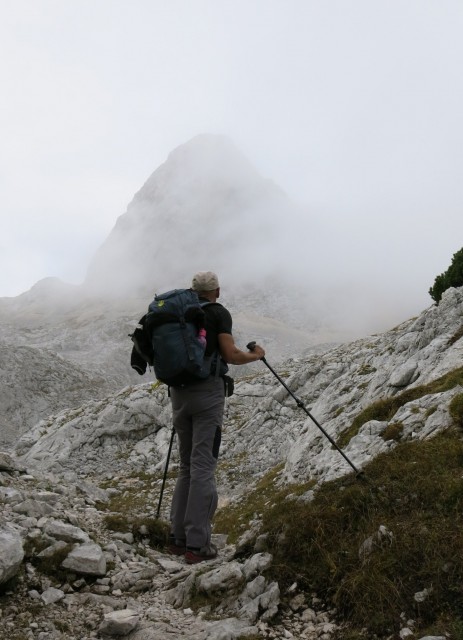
[(251, 346)]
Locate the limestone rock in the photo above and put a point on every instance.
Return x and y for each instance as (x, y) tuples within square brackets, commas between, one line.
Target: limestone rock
[(10, 495), (229, 629), (63, 531), (52, 595), (404, 375), (86, 559), (119, 623), (137, 577), (270, 600), (34, 508), (8, 463), (179, 596), (224, 578), (11, 554), (256, 565)]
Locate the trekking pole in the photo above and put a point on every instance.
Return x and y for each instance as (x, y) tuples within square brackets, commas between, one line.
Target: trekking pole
[(300, 404), (165, 472)]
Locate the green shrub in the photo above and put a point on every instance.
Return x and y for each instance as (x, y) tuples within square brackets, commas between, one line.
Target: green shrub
[(453, 277)]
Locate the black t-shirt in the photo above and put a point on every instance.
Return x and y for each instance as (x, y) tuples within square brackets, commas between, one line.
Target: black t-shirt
[(217, 320)]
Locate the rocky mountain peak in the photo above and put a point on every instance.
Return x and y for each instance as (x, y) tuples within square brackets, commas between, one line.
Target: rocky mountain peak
[(206, 207), (204, 161)]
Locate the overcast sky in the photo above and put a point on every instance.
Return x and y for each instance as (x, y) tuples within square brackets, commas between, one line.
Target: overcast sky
[(354, 107)]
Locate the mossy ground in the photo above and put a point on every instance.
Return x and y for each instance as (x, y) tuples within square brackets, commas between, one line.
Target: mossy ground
[(132, 509), (234, 519), (417, 493)]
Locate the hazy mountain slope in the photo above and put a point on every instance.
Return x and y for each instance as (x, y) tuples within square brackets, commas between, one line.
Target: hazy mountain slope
[(35, 383), (264, 425), (86, 341), (206, 207)]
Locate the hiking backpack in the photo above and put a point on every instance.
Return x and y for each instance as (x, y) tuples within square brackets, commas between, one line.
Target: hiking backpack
[(142, 351), (169, 339)]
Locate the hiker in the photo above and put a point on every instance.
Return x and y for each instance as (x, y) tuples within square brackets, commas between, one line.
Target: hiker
[(197, 409)]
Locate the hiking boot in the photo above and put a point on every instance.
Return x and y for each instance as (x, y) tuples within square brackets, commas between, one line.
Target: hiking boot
[(176, 547), (194, 555)]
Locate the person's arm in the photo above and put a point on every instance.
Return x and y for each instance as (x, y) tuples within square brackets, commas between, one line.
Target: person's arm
[(231, 354)]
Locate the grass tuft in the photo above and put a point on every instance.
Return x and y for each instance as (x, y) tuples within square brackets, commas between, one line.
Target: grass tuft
[(456, 336), (156, 530), (393, 431)]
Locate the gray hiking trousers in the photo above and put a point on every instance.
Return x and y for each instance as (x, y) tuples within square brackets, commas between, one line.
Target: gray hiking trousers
[(197, 418)]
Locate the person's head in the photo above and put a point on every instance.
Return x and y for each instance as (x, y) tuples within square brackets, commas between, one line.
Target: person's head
[(206, 284)]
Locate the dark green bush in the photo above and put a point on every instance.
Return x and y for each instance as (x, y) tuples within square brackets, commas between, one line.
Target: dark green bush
[(453, 277)]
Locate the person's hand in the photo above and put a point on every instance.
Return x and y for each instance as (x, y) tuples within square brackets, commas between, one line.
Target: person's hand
[(258, 351)]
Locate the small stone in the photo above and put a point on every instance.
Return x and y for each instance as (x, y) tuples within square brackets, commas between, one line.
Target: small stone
[(125, 537), (308, 615), (119, 623), (297, 602), (52, 595), (421, 596), (170, 566), (101, 589)]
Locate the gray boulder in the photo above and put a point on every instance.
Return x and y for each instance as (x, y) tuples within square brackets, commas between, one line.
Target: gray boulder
[(228, 576), (66, 532), (11, 554), (86, 559), (9, 464), (33, 508), (119, 623), (52, 595), (10, 495)]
